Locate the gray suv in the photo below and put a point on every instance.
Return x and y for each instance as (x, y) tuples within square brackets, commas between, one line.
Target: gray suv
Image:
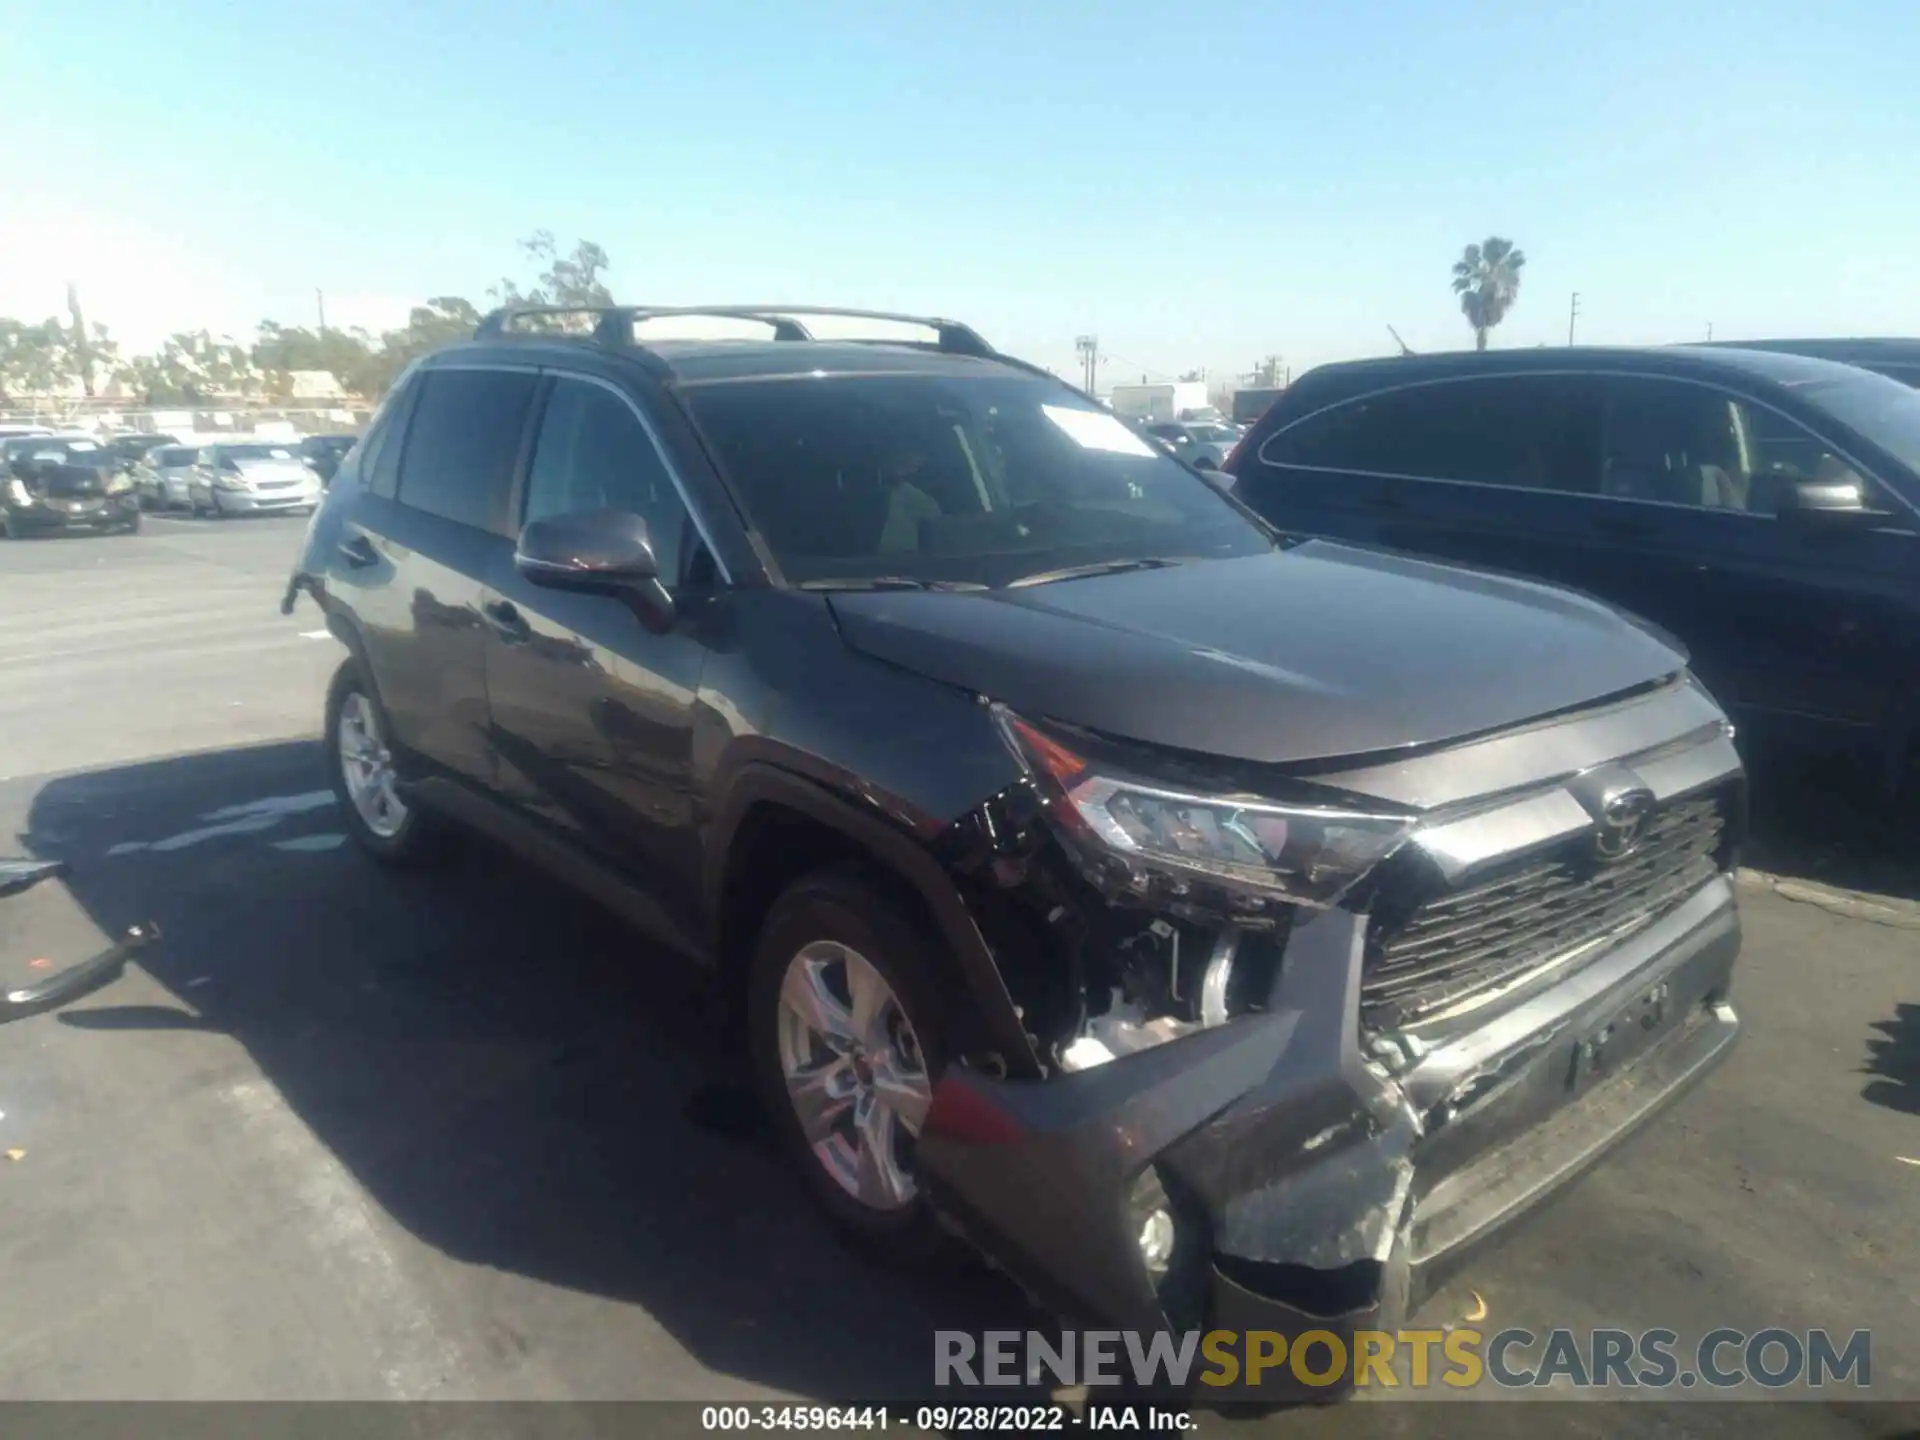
[(1216, 930)]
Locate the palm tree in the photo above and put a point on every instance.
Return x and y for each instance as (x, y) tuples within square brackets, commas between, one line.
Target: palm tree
[(1487, 279)]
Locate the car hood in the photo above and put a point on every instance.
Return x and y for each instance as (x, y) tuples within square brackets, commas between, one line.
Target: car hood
[(1316, 652), (258, 470)]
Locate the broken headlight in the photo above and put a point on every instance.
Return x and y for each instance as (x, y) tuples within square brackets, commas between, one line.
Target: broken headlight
[(1303, 854)]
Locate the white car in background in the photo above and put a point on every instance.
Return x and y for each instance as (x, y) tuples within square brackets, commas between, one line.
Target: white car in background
[(164, 477), (258, 478)]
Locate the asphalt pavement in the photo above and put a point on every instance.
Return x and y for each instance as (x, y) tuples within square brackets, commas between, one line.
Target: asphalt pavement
[(341, 1134)]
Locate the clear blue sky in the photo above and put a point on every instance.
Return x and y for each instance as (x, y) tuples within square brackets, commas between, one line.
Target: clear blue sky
[(1199, 184)]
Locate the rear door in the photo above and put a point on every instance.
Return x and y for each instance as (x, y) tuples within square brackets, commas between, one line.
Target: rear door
[(1485, 470), (417, 556), (592, 710)]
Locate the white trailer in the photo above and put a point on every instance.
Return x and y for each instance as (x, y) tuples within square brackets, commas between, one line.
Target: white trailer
[(1175, 400)]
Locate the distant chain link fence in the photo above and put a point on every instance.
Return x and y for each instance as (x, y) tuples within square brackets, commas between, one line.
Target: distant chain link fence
[(275, 418)]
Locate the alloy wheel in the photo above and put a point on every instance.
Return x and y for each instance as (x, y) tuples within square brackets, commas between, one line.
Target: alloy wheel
[(367, 767), (854, 1070)]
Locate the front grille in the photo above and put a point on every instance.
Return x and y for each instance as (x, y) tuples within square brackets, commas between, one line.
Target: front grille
[(1461, 946)]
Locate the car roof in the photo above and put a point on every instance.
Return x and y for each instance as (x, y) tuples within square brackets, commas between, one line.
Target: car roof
[(1684, 360), (1858, 350)]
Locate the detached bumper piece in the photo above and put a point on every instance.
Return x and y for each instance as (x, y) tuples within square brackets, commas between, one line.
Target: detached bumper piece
[(60, 987), (1287, 1172)]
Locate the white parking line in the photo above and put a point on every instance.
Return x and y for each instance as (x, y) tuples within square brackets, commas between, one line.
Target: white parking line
[(316, 634)]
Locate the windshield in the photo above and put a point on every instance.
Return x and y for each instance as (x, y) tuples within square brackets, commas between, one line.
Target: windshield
[(173, 455), (1883, 410), (69, 452), (1213, 434), (930, 479), (256, 452)]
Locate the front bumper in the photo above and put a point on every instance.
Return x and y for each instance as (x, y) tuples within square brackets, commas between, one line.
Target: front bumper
[(267, 502), (1313, 1188), (109, 512)]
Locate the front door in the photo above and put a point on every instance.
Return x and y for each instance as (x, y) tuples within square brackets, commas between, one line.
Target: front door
[(592, 710), (1784, 617)]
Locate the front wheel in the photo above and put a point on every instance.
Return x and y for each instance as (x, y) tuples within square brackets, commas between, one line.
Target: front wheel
[(360, 764), (132, 527), (846, 1046)]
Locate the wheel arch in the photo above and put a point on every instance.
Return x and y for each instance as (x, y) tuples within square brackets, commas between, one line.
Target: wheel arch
[(775, 827)]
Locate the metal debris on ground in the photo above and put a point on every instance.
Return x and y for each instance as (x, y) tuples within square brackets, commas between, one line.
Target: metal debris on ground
[(17, 875), (16, 1154)]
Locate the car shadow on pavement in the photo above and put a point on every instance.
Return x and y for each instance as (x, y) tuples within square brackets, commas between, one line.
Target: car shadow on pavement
[(1818, 817), (500, 1066), (1893, 1059)]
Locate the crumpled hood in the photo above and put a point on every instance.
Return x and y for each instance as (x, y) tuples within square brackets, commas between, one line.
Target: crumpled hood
[(1317, 652)]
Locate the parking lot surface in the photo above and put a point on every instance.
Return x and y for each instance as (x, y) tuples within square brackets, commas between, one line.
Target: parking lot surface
[(342, 1134)]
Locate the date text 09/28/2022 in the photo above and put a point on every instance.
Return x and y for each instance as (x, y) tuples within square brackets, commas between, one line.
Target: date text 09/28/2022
[(942, 1419)]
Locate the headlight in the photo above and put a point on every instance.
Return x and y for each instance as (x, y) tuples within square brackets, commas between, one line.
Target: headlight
[(18, 492), (229, 482), (119, 483), (1250, 844)]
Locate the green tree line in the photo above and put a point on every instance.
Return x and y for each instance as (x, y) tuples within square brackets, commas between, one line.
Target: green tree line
[(194, 366)]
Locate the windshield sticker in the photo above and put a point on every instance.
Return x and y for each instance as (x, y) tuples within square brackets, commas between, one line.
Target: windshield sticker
[(1093, 430)]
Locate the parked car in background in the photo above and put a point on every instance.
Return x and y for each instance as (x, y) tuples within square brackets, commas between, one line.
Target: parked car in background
[(251, 479), (1203, 444), (55, 484), (130, 448), (1896, 359), (1763, 507), (323, 453), (164, 477), (1055, 828)]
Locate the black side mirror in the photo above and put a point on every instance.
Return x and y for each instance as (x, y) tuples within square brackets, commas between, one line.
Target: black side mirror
[(602, 552), (1204, 462)]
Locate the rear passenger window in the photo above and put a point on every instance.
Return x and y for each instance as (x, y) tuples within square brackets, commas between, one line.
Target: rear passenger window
[(462, 444), (1533, 432), (380, 454), (594, 454)]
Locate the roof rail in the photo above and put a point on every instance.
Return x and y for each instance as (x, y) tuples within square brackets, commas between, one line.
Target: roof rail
[(613, 324)]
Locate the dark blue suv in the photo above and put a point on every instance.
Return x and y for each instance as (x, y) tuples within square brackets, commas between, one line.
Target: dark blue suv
[(1763, 507)]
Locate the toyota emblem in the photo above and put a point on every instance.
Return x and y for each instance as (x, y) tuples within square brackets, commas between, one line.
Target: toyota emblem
[(1623, 815)]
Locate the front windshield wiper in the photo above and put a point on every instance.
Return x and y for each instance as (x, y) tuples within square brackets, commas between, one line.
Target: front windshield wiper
[(1081, 572), (888, 582)]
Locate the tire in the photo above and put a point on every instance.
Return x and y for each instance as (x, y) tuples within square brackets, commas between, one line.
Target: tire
[(132, 527), (418, 837), (839, 908)]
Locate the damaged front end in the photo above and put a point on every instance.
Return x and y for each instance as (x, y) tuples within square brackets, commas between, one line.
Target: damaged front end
[(1243, 1124)]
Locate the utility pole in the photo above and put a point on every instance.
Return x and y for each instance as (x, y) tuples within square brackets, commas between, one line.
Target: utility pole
[(1088, 347), (82, 346), (320, 302), (1573, 314), (1709, 332)]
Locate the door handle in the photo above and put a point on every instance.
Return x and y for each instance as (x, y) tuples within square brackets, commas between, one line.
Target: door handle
[(359, 553), (505, 617)]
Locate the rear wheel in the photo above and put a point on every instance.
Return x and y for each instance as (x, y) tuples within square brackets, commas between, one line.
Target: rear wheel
[(360, 764), (846, 1046)]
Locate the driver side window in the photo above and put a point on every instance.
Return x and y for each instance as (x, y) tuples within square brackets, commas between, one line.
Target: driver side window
[(593, 453)]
